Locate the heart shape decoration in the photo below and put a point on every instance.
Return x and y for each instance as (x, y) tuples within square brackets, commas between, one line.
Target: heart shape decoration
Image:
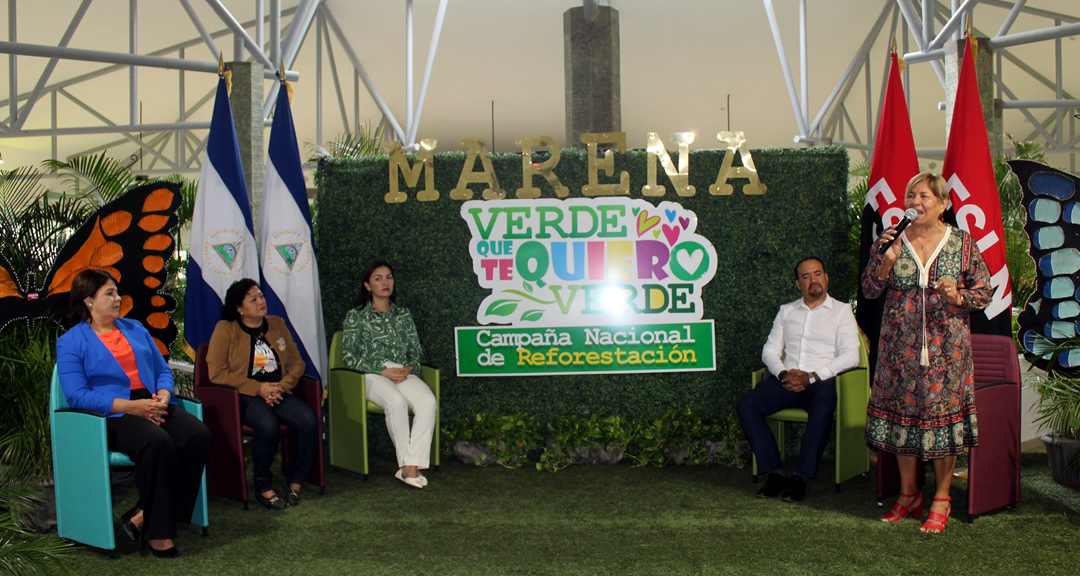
[(645, 223), (670, 215), (691, 256), (671, 234), (636, 210), (684, 222), (656, 233)]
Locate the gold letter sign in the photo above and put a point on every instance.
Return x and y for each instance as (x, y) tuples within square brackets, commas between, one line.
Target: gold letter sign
[(477, 148), (736, 142), (680, 178), (607, 164), (545, 169), (424, 163)]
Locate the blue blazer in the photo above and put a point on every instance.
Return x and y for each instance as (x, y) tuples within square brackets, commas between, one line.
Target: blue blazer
[(92, 377)]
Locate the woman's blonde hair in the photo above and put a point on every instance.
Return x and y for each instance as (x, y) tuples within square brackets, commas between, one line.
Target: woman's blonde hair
[(936, 183)]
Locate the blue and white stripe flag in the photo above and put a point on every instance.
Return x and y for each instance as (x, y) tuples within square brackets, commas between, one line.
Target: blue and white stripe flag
[(290, 274), (222, 246)]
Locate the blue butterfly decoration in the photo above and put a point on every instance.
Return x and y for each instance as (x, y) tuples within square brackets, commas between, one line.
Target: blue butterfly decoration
[(1052, 315)]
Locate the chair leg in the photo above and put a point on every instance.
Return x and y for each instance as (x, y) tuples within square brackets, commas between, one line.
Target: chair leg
[(322, 490), (365, 478), (837, 486), (205, 531), (245, 505)]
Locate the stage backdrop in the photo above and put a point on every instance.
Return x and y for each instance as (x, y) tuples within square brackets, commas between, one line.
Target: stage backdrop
[(758, 239)]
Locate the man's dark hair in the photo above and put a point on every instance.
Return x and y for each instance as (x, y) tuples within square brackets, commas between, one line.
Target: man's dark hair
[(807, 259)]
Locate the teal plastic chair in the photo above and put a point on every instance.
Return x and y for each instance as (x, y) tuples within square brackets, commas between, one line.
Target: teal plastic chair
[(852, 396), (349, 407), (81, 461)]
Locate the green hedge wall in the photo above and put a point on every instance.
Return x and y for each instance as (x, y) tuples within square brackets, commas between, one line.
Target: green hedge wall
[(758, 240)]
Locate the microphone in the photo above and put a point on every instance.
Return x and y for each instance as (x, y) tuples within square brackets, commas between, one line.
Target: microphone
[(909, 215)]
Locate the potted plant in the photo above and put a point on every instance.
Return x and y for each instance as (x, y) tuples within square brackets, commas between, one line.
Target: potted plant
[(1059, 408)]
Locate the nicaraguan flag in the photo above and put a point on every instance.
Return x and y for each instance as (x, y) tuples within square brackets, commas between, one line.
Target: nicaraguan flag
[(290, 274), (222, 246)]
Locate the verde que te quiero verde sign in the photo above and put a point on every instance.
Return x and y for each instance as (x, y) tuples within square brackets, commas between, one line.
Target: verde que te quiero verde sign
[(606, 285)]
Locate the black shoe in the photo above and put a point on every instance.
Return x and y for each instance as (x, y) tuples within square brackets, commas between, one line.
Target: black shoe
[(796, 490), (773, 486), (292, 497), (173, 552), (272, 503), (129, 528)]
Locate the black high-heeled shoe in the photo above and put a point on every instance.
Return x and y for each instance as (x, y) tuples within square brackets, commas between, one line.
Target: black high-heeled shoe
[(129, 527), (272, 503), (292, 497)]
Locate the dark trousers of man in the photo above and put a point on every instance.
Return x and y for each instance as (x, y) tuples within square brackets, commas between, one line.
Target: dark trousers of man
[(266, 420), (169, 461), (819, 401)]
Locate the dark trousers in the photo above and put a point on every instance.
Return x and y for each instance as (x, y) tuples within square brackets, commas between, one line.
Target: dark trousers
[(819, 401), (266, 420), (169, 461)]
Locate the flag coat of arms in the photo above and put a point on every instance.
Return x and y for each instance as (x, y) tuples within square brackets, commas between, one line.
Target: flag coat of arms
[(222, 246), (290, 273)]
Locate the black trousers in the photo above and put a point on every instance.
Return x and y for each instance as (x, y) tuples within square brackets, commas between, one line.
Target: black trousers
[(169, 461), (266, 420)]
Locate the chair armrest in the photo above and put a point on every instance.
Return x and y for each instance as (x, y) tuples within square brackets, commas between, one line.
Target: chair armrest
[(995, 383), (758, 376), (310, 391), (346, 375), (187, 398), (79, 411), (430, 376)]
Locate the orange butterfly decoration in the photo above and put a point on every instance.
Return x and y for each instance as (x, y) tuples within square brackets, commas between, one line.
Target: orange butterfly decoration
[(130, 237)]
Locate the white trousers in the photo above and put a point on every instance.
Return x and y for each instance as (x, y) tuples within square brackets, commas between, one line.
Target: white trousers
[(413, 448)]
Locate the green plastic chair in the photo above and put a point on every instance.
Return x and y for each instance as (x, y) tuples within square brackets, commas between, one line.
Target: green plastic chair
[(349, 407), (81, 461), (852, 396)]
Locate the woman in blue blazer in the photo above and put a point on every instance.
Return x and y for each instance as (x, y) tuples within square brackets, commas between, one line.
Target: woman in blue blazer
[(111, 365)]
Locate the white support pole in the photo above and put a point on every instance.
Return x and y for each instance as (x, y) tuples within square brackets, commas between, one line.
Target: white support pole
[(1057, 91), (852, 67), (180, 148), (803, 65), (121, 58), (13, 76), (952, 25), (298, 29), (399, 134), (275, 32), (255, 49), (915, 26), (259, 24), (414, 124), (320, 25), (334, 75), (1007, 24), (928, 18), (214, 50), (55, 124), (47, 73), (408, 70), (779, 42), (133, 49)]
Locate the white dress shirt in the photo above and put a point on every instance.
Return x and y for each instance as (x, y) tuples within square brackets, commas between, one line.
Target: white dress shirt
[(824, 340)]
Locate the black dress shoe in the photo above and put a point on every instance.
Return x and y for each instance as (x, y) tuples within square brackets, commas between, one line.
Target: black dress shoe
[(129, 528), (292, 497), (173, 552), (271, 503), (796, 489), (773, 486)]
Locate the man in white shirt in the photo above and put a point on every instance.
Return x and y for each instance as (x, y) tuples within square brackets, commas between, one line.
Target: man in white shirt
[(812, 340)]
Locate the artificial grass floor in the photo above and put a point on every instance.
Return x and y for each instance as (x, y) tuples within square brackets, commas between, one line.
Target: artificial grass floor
[(607, 520)]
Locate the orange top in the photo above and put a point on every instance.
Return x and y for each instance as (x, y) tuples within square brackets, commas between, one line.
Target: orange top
[(121, 350)]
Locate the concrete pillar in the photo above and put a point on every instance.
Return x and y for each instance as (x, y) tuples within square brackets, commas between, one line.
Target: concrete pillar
[(984, 74), (246, 97), (591, 65)]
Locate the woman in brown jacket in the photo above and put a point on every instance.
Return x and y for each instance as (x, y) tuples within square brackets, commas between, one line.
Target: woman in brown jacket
[(255, 354)]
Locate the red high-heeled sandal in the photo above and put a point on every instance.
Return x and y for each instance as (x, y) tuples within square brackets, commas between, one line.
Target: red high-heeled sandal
[(898, 512), (935, 519)]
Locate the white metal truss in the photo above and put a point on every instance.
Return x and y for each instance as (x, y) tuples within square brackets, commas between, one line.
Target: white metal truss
[(1053, 120), (176, 147)]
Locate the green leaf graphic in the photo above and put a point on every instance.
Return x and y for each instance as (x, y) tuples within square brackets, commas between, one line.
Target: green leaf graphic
[(528, 287), (532, 315), (502, 307)]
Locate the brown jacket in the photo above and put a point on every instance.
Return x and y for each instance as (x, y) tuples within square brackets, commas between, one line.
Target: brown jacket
[(229, 355)]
